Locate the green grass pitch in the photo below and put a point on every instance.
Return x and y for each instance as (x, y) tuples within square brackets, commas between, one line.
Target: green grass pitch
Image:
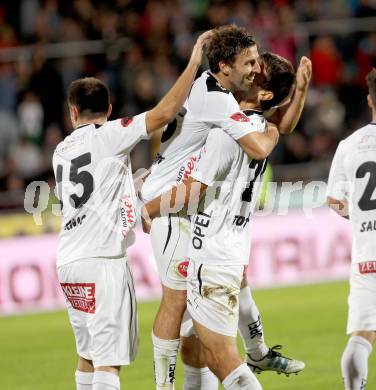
[(37, 351)]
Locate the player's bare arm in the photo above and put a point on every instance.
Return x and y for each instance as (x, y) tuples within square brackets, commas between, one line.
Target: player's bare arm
[(179, 198), (339, 206), (287, 116), (166, 110), (259, 145)]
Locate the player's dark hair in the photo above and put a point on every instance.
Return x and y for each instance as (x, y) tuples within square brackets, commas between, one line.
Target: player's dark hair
[(226, 43), (90, 96), (280, 76), (371, 82)]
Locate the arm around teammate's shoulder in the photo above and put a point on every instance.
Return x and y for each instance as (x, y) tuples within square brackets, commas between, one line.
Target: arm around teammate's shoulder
[(176, 199), (166, 110), (259, 145)]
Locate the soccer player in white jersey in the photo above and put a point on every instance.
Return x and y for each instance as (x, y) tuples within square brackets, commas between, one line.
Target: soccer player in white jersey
[(350, 192), (94, 183), (233, 60), (224, 358)]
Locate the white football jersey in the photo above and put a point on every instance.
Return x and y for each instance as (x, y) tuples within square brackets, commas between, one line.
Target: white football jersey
[(209, 105), (220, 231), (95, 187), (353, 178)]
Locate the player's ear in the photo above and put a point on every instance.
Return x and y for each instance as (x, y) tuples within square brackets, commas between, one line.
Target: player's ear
[(73, 114), (265, 95), (224, 68), (370, 103), (109, 110)]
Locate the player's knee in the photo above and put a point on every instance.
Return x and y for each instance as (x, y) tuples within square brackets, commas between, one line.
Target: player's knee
[(85, 365), (368, 335)]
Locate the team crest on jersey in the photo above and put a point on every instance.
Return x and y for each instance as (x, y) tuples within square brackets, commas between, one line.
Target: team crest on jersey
[(126, 121), (80, 295), (240, 117), (183, 268)]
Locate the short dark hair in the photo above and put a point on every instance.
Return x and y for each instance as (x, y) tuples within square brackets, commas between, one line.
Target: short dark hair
[(371, 82), (280, 76), (226, 43), (90, 95)]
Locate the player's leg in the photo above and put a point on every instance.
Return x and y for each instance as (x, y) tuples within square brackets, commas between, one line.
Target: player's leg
[(361, 327), (68, 276), (212, 297), (165, 336), (106, 378), (197, 376), (354, 362), (259, 356), (250, 324), (114, 330), (84, 374), (169, 238), (222, 357), (104, 303)]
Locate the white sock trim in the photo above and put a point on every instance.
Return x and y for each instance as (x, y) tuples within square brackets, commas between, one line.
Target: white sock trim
[(84, 378), (362, 341), (232, 376), (171, 345), (245, 291), (107, 378), (194, 370)]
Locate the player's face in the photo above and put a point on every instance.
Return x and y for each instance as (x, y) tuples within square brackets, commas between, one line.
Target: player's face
[(244, 69), (255, 91)]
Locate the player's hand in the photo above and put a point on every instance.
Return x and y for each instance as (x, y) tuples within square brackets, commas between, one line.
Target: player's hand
[(303, 74), (146, 221), (198, 49)]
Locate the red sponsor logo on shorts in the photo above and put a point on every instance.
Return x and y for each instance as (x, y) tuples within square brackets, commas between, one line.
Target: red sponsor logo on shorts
[(183, 268), (240, 117), (126, 121), (80, 295), (367, 267)]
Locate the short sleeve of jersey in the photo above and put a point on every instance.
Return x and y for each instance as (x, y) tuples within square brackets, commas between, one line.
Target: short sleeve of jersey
[(216, 157), (338, 184), (218, 108), (123, 134)]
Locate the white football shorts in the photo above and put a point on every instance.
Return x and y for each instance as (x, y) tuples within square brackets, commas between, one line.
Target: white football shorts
[(213, 296), (102, 309), (362, 297), (170, 239)]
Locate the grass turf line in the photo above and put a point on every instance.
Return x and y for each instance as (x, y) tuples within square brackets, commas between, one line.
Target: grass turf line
[(38, 352)]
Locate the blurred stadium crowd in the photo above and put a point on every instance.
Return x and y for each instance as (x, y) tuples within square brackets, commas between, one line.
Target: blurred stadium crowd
[(144, 45)]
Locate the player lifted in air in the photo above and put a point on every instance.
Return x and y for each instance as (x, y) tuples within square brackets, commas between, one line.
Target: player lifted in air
[(233, 60), (170, 235), (220, 231), (94, 183), (350, 192)]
